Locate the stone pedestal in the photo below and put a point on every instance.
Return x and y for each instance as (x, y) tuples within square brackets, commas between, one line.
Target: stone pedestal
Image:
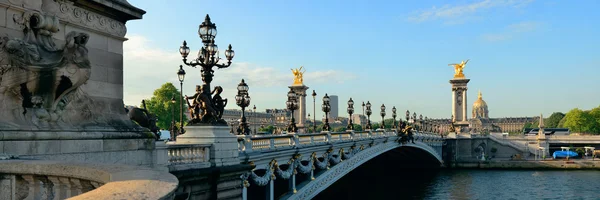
[(224, 146), (73, 109), (459, 104), (300, 114)]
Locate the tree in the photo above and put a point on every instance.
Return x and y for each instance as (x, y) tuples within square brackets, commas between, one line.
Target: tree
[(595, 114), (554, 120), (579, 121), (269, 129), (160, 105), (340, 129)]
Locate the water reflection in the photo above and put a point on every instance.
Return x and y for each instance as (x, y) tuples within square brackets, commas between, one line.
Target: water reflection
[(383, 182)]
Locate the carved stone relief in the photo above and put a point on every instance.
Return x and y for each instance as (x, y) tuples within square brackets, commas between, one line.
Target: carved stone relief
[(459, 97), (68, 12), (40, 81)]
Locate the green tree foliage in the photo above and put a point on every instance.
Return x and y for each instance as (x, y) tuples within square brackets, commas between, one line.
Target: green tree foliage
[(562, 122), (160, 105), (527, 125), (358, 127), (554, 120), (268, 129), (595, 113), (580, 121), (340, 129)]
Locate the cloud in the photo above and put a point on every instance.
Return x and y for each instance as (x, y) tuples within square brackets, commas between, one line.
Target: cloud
[(512, 31), (456, 14), (147, 67)]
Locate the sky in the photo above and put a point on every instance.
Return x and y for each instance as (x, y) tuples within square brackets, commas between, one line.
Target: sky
[(527, 57)]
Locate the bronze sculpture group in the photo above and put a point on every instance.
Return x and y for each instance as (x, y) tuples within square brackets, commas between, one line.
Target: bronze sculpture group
[(207, 109), (406, 133)]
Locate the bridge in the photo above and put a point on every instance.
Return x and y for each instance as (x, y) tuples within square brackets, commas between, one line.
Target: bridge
[(299, 166)]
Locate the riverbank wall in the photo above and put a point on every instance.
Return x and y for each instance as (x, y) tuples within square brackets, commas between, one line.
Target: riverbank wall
[(573, 164)]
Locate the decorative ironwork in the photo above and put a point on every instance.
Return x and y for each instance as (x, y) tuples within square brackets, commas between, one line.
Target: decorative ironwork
[(292, 104), (242, 99), (326, 108), (208, 57), (350, 111), (394, 117), (368, 126)]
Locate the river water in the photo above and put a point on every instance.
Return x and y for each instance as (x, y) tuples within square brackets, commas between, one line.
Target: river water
[(372, 182)]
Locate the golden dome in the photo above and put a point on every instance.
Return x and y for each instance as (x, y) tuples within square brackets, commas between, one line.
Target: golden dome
[(480, 108)]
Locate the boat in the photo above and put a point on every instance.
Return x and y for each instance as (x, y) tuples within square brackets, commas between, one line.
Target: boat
[(564, 154)]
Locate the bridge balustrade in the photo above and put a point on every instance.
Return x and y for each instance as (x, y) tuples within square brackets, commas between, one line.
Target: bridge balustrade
[(188, 153), (44, 179)]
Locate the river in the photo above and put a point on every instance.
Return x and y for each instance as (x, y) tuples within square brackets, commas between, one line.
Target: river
[(372, 182)]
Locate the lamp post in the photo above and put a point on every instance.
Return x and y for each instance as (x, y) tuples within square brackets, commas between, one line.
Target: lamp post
[(292, 105), (208, 57), (414, 117), (420, 124), (181, 76), (350, 111), (173, 101), (326, 108), (394, 117), (407, 116), (255, 118), (314, 95), (309, 120), (363, 113), (242, 99), (427, 128), (383, 116), (368, 126)]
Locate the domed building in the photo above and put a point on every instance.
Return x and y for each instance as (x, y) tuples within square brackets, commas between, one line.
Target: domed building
[(480, 108), (480, 121)]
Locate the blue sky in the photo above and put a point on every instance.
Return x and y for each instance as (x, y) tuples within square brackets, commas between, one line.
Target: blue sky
[(527, 57)]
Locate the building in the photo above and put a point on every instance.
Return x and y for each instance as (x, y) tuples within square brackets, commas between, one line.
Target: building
[(359, 119), (333, 102), (481, 122), (280, 116), (233, 116)]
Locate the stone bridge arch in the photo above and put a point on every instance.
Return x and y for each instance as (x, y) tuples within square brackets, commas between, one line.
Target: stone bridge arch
[(300, 166), (329, 177)]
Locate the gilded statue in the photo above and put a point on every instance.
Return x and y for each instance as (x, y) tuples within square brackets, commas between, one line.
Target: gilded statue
[(298, 75), (458, 69)]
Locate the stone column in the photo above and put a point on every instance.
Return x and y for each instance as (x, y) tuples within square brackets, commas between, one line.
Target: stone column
[(300, 114), (459, 103)]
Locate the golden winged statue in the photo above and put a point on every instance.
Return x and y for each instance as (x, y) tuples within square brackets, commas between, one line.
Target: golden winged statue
[(298, 75), (458, 69)]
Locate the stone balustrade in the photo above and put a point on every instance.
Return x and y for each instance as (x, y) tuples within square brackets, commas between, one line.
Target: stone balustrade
[(43, 179), (184, 156), (249, 143)]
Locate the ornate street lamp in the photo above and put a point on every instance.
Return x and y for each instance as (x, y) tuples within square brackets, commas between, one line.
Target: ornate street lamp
[(326, 108), (242, 99), (414, 117), (255, 118), (383, 116), (407, 116), (208, 57), (181, 76), (394, 117), (368, 126), (292, 105), (350, 111), (314, 95)]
